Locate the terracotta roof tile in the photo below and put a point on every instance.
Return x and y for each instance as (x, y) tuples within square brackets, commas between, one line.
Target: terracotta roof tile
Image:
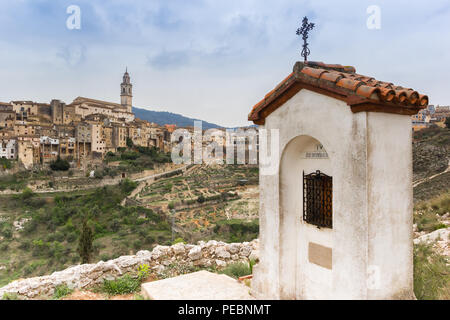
[(316, 73), (387, 94), (423, 100), (349, 84), (333, 77), (413, 96), (369, 92), (362, 93), (400, 96), (385, 85)]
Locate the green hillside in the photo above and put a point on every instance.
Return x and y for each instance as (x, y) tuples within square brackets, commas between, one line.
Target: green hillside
[(164, 117)]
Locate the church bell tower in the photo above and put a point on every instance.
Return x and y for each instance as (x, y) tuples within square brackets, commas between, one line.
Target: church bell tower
[(126, 92)]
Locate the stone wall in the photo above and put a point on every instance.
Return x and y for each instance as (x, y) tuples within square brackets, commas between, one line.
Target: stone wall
[(204, 254)]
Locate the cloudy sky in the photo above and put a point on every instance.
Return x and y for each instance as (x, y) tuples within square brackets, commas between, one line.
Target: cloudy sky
[(212, 59)]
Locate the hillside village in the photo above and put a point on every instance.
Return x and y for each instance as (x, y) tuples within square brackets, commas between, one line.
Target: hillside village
[(432, 115), (86, 129), (118, 175)]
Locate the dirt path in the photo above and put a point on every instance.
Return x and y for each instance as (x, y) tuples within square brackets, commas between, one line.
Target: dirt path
[(152, 176), (157, 175), (418, 182)]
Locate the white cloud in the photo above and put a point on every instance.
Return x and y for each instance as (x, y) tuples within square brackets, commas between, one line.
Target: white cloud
[(213, 59)]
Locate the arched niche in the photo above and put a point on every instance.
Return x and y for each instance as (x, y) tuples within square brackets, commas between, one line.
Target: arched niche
[(305, 254)]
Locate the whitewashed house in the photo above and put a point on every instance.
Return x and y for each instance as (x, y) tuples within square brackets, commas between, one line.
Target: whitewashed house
[(8, 148), (336, 214)]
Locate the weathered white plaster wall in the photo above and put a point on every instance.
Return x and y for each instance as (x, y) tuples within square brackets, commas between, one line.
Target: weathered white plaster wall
[(390, 205), (284, 271)]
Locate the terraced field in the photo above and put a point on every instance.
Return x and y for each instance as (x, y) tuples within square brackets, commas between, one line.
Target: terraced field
[(204, 198)]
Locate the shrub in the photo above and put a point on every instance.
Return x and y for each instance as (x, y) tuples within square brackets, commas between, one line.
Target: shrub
[(440, 226), (236, 230), (168, 187), (69, 227), (114, 225), (104, 257), (71, 237), (99, 174), (123, 285), (36, 202), (162, 225), (25, 245), (7, 231), (4, 246), (59, 236), (5, 163), (10, 296), (27, 194), (99, 229), (130, 143), (30, 268), (140, 221), (171, 205), (51, 237), (201, 199), (178, 240), (61, 291), (74, 259), (39, 247), (55, 250), (129, 155), (137, 244), (127, 186), (149, 239), (237, 269), (441, 204), (143, 271), (59, 165)]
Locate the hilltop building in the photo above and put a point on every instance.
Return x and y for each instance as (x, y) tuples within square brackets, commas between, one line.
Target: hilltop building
[(126, 94)]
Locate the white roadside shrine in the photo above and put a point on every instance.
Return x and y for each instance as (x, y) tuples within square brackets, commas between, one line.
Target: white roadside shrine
[(336, 214)]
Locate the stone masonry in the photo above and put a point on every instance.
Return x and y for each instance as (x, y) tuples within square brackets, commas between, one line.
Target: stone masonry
[(203, 254)]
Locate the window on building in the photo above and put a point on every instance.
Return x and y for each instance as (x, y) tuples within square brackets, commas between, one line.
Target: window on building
[(318, 199)]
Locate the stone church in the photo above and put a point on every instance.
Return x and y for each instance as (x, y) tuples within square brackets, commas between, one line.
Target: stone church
[(82, 107)]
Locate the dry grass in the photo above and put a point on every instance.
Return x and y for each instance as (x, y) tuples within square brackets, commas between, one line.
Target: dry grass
[(431, 274)]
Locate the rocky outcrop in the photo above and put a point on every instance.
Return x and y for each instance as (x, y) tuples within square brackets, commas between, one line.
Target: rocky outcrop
[(204, 254), (440, 239)]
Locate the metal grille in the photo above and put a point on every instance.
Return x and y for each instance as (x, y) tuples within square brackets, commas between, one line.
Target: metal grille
[(318, 199)]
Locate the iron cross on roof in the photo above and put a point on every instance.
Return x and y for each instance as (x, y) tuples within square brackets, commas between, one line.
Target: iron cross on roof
[(303, 31)]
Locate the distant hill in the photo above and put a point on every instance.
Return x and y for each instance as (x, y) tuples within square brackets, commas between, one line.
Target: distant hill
[(164, 117)]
